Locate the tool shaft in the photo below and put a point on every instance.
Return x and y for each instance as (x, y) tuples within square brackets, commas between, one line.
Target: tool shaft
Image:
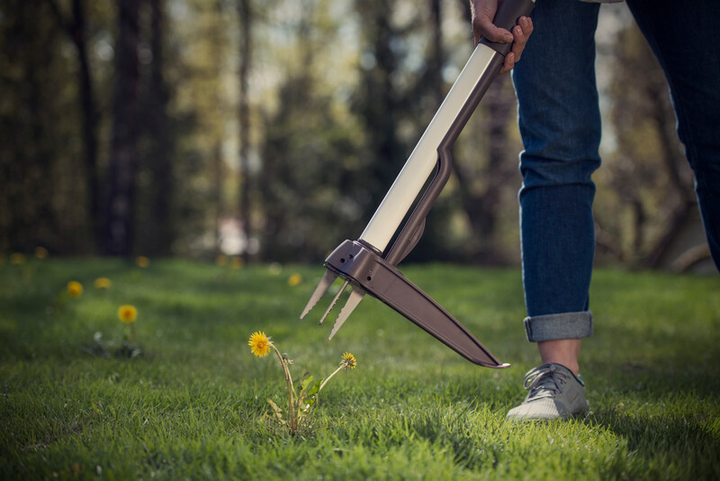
[(423, 159)]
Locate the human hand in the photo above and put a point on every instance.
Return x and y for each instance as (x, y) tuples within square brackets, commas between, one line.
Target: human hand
[(483, 12)]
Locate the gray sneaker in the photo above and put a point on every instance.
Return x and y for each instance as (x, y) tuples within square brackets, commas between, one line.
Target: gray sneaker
[(555, 393)]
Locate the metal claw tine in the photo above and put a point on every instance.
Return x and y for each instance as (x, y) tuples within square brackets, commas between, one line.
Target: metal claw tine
[(335, 299), (355, 297), (320, 290)]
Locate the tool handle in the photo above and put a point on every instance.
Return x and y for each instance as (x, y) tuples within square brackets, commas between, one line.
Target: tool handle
[(507, 16), (480, 70)]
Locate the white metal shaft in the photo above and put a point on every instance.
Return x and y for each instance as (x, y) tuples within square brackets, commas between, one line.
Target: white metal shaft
[(422, 160)]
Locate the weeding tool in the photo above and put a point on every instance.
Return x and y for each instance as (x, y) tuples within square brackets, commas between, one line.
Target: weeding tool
[(365, 264)]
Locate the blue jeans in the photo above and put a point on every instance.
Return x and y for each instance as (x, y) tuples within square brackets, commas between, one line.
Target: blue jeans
[(559, 122)]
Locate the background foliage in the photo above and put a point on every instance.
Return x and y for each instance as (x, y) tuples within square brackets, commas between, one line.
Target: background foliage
[(272, 129)]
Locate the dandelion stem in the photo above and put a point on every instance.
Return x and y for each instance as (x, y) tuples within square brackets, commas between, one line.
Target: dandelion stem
[(330, 377), (290, 390)]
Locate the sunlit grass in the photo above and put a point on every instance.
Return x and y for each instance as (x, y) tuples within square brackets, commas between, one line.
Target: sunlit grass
[(191, 406)]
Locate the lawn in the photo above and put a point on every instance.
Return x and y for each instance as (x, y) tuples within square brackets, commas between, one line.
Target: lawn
[(191, 404)]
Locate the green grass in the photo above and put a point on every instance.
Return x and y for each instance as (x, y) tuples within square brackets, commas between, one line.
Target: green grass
[(192, 405)]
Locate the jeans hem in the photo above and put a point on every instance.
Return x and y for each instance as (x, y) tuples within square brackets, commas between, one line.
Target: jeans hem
[(552, 327)]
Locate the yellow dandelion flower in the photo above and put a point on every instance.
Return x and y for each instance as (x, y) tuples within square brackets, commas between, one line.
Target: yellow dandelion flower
[(294, 280), (259, 344), (41, 252), (127, 314), (102, 283), (142, 262), (237, 263), (349, 361), (74, 288), (17, 259), (221, 260)]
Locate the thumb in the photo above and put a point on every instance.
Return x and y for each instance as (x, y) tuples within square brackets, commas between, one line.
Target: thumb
[(483, 26)]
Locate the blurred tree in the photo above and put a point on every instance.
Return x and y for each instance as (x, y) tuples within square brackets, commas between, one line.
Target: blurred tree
[(485, 185), (378, 101), (309, 178), (76, 29), (198, 68), (219, 38), (245, 16), (156, 214), (645, 192), (41, 202), (122, 168)]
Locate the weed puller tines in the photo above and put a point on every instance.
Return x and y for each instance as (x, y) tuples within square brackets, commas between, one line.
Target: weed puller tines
[(365, 265)]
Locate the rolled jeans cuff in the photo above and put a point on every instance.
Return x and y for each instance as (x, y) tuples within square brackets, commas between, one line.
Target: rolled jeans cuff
[(551, 327)]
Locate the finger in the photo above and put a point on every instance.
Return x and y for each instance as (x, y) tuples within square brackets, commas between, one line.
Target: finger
[(527, 25), (519, 43), (509, 63), (521, 33)]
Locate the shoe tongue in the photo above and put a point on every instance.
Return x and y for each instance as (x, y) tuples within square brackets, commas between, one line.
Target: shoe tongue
[(546, 378), (555, 367)]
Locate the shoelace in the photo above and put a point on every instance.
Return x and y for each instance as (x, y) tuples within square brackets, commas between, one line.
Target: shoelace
[(544, 381)]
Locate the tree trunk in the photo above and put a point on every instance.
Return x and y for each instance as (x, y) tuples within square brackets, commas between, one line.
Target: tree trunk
[(437, 57), (121, 182), (90, 119), (245, 17), (77, 31), (160, 142)]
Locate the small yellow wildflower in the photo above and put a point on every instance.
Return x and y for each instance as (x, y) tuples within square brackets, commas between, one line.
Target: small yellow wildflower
[(142, 261), (349, 361), (221, 260), (127, 314), (259, 344), (17, 259), (294, 280), (74, 288), (41, 252), (102, 283), (237, 262)]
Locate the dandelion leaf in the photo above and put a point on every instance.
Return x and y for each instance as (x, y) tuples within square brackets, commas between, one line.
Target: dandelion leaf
[(312, 394), (277, 410)]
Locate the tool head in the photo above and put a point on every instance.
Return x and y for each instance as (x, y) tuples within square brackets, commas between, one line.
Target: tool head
[(341, 253), (320, 291), (367, 272)]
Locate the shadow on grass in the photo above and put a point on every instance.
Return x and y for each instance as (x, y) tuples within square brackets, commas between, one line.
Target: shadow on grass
[(665, 445), (661, 396)]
